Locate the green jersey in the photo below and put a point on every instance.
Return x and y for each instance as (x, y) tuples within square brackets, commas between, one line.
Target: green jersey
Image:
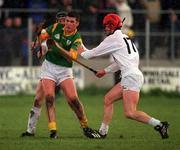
[(68, 42)]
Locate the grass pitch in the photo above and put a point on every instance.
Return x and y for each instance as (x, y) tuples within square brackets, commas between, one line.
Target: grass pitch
[(123, 134)]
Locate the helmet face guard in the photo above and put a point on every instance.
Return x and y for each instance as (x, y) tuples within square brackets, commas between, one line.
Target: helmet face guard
[(61, 14), (112, 21)]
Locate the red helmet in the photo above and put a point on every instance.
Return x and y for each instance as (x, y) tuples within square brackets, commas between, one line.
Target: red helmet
[(113, 21)]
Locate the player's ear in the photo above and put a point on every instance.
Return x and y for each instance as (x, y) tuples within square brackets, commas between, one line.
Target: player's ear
[(77, 23)]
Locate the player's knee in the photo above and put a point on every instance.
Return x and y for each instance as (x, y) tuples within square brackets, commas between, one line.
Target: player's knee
[(38, 103), (107, 100), (72, 98), (49, 101), (129, 114), (74, 102)]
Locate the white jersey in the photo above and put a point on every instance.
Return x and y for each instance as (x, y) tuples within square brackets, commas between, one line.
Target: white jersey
[(122, 50)]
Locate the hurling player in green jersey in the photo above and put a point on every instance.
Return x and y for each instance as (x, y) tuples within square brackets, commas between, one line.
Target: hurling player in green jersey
[(57, 70), (39, 95)]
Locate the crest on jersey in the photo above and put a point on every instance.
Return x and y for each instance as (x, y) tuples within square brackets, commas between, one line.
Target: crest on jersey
[(68, 42), (57, 36)]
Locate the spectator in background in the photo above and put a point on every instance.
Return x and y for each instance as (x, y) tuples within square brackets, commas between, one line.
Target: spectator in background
[(105, 6), (52, 4), (66, 5), (17, 22), (152, 14), (20, 41), (1, 3), (167, 20), (90, 14), (6, 45), (175, 18), (110, 5), (24, 52), (124, 10), (78, 4), (14, 4), (165, 23), (139, 24), (18, 35)]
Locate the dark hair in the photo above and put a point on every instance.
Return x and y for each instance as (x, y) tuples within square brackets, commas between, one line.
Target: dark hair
[(74, 14)]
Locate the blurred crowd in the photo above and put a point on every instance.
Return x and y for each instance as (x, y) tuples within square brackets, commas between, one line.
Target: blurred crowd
[(14, 24)]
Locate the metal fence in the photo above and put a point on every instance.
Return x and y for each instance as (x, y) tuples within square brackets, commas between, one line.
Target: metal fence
[(155, 40)]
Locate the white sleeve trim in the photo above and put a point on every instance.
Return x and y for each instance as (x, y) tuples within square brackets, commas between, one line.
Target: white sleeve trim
[(84, 55), (112, 68)]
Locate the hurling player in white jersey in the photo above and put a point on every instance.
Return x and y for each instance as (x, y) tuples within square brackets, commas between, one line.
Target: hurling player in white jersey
[(126, 59)]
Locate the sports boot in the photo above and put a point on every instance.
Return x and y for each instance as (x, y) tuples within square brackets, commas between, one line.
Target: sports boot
[(163, 129), (91, 133), (26, 134), (53, 134)]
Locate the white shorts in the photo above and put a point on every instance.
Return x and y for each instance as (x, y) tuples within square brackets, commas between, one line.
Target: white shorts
[(132, 82), (55, 72)]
